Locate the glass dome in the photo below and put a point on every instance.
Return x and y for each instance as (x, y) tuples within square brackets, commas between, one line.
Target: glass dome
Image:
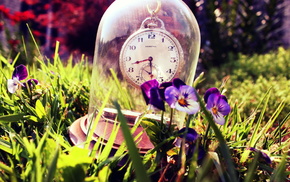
[(124, 18), (126, 22)]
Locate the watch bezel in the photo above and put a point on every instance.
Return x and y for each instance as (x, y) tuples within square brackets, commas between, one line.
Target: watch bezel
[(145, 30)]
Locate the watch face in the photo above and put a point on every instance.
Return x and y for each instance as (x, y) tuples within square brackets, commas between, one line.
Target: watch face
[(150, 54)]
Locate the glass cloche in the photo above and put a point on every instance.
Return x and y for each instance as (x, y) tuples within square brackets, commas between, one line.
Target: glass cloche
[(128, 22), (137, 41)]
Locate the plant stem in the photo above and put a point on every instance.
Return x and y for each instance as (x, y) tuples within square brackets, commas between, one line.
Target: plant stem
[(171, 118), (205, 136), (162, 177)]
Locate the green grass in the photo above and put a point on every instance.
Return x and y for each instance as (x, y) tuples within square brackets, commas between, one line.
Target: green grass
[(249, 77), (35, 146)]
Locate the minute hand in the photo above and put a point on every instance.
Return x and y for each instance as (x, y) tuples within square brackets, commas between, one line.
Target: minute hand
[(137, 62), (149, 59)]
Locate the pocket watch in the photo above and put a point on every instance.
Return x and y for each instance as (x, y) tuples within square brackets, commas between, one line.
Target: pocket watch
[(151, 53)]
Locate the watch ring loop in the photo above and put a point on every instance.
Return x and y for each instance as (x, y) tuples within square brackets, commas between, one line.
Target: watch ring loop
[(153, 12)]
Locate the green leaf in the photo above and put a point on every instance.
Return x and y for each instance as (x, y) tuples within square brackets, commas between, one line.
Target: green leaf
[(11, 118), (31, 118), (73, 166), (104, 173), (6, 168), (76, 156), (6, 62), (40, 110)]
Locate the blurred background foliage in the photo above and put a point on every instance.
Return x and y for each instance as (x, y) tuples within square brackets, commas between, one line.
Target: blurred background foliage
[(246, 79), (228, 27), (231, 27)]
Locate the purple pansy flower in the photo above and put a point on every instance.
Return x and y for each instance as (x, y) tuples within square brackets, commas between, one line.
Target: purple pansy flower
[(31, 82), (190, 136), (190, 145), (19, 73), (181, 97), (264, 156), (150, 91), (217, 104)]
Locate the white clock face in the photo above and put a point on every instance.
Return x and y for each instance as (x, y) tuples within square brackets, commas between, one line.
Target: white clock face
[(150, 54)]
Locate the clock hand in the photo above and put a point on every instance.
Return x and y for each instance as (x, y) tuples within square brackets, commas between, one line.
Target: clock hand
[(149, 59), (150, 65), (137, 62)]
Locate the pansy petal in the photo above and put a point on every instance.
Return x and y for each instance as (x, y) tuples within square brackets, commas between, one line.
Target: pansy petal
[(191, 134), (223, 106), (209, 92), (31, 82), (171, 95), (223, 98), (264, 156), (201, 153), (212, 101), (162, 88), (218, 106), (177, 82), (12, 86), (177, 142), (191, 108), (146, 86), (188, 92), (183, 99), (146, 97), (20, 72), (155, 99), (219, 118)]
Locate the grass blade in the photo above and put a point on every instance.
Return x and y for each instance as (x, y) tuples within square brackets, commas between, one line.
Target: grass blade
[(11, 118), (52, 167), (255, 136), (108, 147), (279, 174), (33, 39), (252, 169), (8, 170), (141, 173), (92, 126), (5, 146)]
